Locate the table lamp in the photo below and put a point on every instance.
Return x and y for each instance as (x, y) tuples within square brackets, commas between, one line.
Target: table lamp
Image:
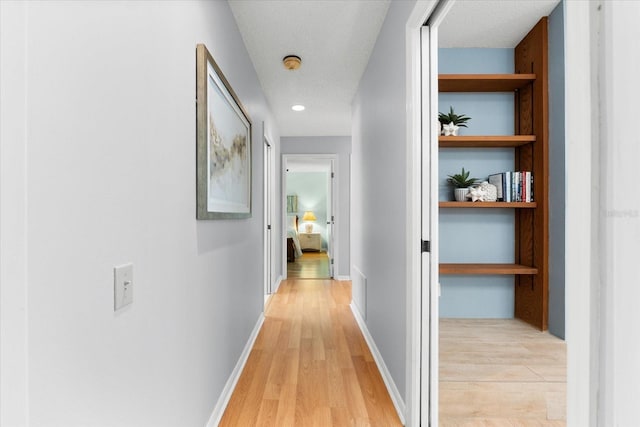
[(308, 216)]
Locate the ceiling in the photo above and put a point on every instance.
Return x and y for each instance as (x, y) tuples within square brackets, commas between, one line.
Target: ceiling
[(335, 38), (491, 23)]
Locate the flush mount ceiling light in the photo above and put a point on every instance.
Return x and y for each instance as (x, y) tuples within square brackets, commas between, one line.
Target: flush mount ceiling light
[(292, 62), (298, 107)]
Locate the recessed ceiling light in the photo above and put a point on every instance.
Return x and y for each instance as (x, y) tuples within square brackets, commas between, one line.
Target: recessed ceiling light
[(298, 107)]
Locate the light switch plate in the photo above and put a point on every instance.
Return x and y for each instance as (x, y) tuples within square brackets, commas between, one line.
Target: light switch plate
[(122, 286)]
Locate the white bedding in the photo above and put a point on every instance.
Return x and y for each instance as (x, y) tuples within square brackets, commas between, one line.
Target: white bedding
[(293, 233)]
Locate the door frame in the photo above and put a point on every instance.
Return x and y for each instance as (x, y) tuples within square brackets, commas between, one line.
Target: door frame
[(268, 205), (581, 249), (333, 186)]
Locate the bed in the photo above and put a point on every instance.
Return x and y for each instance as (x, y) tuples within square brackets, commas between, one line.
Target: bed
[(293, 243)]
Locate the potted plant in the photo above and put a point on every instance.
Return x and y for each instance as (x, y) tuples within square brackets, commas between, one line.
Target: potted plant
[(461, 183), (451, 122)]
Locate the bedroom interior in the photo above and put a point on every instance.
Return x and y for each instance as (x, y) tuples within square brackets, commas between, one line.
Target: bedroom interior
[(308, 223)]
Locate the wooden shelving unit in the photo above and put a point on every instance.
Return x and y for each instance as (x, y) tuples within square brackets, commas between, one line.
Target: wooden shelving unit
[(489, 205), (529, 85), (484, 269), (484, 82), (485, 141)]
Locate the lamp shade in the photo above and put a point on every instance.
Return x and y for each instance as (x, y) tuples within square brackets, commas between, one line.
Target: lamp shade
[(309, 216)]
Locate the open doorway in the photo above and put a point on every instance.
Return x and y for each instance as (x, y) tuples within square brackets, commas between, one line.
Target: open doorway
[(497, 299), (309, 198)]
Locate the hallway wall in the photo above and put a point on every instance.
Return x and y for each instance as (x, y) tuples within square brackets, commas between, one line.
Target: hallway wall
[(379, 190), (98, 169)]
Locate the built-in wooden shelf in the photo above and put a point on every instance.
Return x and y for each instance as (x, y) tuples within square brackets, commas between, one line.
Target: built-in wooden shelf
[(484, 141), (483, 82), (480, 269), (517, 205)]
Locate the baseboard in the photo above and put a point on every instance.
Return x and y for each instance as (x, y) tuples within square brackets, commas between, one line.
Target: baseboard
[(276, 286), (343, 278), (398, 403), (227, 391)]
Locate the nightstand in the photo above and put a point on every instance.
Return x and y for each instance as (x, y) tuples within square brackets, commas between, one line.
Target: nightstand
[(310, 241)]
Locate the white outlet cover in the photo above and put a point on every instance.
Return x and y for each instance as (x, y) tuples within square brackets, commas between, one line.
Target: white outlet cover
[(122, 286)]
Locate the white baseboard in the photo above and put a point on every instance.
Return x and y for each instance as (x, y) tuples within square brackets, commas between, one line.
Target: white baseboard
[(386, 375), (225, 396), (277, 284), (343, 278)]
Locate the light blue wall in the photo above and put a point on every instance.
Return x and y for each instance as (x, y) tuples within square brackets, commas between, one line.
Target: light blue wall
[(477, 235), (556, 172), (311, 189)]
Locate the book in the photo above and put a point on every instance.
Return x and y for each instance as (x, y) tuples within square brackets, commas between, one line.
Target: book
[(513, 186), (497, 179)]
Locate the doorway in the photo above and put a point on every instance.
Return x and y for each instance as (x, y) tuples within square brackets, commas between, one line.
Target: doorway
[(309, 215), (268, 193), (422, 129)]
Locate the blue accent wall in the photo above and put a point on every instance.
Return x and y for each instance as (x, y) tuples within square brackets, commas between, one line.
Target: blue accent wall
[(556, 173), (477, 235)]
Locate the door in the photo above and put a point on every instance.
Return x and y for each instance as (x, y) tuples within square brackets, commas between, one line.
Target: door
[(331, 217), (429, 228), (430, 282), (268, 213)]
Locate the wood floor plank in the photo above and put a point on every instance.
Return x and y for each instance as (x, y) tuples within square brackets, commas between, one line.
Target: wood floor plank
[(312, 366), (500, 372)]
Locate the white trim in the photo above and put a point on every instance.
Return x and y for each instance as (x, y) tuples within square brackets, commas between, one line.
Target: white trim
[(227, 391), (418, 17), (268, 298), (395, 395), (276, 285), (333, 183), (581, 282), (342, 278)]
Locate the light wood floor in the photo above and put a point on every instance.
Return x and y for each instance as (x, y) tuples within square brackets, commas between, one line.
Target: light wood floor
[(310, 365), (500, 373), (311, 265)]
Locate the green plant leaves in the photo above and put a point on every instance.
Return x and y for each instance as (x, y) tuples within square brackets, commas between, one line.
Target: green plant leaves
[(462, 180), (452, 117)]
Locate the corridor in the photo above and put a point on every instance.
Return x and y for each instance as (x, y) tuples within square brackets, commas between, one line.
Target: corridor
[(310, 365)]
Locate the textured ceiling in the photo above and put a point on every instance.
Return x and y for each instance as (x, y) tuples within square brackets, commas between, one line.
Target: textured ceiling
[(491, 23), (334, 38)]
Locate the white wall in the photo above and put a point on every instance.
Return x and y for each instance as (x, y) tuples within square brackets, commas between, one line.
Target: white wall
[(98, 169), (340, 146), (378, 200), (619, 214)]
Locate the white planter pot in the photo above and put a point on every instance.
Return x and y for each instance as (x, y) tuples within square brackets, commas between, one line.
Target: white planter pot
[(460, 194)]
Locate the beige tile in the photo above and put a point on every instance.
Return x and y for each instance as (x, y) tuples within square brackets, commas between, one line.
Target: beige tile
[(474, 372), (500, 373)]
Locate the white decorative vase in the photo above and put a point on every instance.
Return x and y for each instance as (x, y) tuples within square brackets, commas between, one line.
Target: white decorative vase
[(460, 194)]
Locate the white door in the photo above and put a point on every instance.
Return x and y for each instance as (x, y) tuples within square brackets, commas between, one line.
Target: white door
[(331, 219), (268, 208), (429, 226)]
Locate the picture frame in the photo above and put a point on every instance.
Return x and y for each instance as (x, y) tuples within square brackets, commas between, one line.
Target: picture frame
[(223, 145)]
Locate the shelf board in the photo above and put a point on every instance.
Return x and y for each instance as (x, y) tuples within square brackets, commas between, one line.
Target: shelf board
[(483, 82), (517, 205), (496, 141), (480, 269)]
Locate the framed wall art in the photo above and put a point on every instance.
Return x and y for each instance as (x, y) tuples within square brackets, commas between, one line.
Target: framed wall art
[(223, 147)]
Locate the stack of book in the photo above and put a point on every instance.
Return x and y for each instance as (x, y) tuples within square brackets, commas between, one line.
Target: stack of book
[(513, 186)]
